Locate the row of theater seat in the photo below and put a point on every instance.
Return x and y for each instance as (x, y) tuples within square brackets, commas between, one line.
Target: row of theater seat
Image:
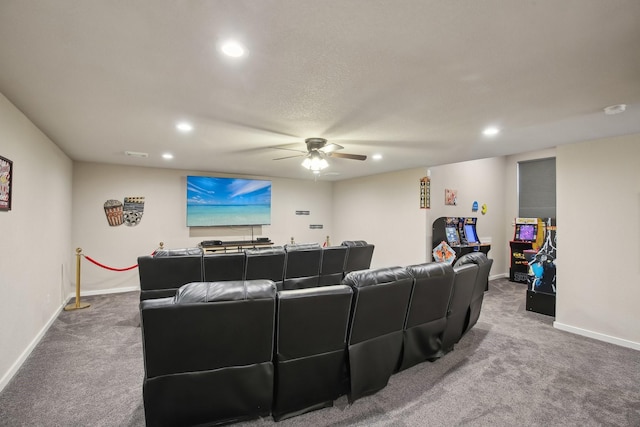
[(222, 352), (293, 266)]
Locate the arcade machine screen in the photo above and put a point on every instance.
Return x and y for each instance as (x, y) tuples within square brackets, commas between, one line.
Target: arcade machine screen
[(470, 234), (452, 236), (527, 232)]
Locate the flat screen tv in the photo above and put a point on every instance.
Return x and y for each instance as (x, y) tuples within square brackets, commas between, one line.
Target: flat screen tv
[(216, 201)]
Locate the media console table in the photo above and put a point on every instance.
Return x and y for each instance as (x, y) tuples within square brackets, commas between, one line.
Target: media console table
[(234, 246)]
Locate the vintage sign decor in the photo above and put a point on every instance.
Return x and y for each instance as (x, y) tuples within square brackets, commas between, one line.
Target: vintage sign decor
[(129, 213), (6, 183), (425, 193)]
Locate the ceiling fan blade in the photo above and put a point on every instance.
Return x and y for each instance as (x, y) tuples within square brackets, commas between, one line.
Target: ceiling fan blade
[(348, 156), (290, 157), (290, 147), (330, 148)]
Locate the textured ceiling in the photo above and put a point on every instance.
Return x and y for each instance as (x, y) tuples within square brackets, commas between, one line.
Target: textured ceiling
[(415, 81)]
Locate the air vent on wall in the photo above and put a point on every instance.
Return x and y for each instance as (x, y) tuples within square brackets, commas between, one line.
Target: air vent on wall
[(136, 154)]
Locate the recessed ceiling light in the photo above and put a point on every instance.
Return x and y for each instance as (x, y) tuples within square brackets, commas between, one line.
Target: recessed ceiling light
[(233, 49), (167, 156), (184, 127), (615, 109), (491, 131), (376, 156)]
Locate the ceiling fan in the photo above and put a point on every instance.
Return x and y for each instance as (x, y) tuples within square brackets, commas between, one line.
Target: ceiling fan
[(315, 158)]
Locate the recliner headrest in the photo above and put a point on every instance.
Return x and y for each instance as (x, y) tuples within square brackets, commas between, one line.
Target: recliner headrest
[(430, 269), (177, 252), (236, 290), (363, 278), (478, 258), (301, 247), (309, 292), (354, 243), (265, 251)]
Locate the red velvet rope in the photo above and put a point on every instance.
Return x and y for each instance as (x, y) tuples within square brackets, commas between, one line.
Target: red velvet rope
[(107, 267)]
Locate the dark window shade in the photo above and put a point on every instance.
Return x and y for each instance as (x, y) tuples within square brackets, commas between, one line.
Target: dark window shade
[(537, 188)]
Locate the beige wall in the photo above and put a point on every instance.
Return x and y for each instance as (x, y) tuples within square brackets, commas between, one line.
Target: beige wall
[(35, 236), (483, 181), (384, 210), (164, 218), (598, 192)]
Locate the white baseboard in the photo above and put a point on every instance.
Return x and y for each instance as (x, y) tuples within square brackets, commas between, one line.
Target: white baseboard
[(498, 276), (597, 335), (103, 292), (27, 351)]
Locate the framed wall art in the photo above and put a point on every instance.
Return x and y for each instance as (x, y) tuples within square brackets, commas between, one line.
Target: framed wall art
[(450, 197), (6, 183)]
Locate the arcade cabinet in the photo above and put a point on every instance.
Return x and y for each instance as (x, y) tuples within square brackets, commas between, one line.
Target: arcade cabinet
[(541, 292), (528, 236), (460, 234)]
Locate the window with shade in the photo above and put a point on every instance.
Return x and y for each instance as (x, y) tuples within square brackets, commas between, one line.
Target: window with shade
[(537, 188)]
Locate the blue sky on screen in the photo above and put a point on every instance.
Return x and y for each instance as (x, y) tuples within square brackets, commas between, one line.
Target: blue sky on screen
[(206, 190)]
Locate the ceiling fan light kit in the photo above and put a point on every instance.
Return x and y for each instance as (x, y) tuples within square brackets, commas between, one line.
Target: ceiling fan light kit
[(318, 150), (315, 162)]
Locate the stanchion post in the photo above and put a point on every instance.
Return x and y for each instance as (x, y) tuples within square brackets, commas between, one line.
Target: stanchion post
[(77, 304)]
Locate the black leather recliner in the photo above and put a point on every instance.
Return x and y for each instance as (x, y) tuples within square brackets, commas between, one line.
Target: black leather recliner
[(302, 266), (177, 252), (265, 263), (162, 273), (332, 265), (208, 353), (427, 314), (380, 301), (482, 284), (223, 266), (359, 255), (463, 285), (310, 360)]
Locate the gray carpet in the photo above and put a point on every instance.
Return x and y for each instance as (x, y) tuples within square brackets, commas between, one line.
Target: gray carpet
[(512, 369)]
